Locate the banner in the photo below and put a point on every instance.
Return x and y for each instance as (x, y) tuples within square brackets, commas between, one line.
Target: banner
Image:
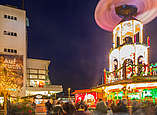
[(11, 66)]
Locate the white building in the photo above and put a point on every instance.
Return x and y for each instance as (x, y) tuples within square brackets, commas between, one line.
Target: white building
[(38, 79), (13, 40), (13, 50)]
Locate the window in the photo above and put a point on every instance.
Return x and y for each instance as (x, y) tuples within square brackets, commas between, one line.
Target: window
[(5, 32), (12, 51), (15, 34), (41, 76), (137, 36), (32, 76), (8, 50), (5, 16), (15, 18), (127, 68), (118, 42), (15, 51), (128, 40), (140, 62), (33, 71), (12, 34), (5, 50), (33, 83), (42, 71), (9, 33), (10, 17)]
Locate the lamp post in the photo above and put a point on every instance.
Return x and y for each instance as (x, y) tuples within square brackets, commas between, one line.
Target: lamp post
[(55, 96), (69, 92)]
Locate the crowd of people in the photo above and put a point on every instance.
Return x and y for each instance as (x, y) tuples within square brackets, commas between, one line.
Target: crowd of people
[(122, 107), (65, 108)]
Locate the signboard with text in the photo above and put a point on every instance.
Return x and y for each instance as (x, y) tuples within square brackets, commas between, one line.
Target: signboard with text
[(12, 66)]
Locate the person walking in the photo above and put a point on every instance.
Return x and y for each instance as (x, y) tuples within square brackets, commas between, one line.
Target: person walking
[(48, 107), (100, 108), (33, 106), (68, 108), (57, 109), (109, 111)]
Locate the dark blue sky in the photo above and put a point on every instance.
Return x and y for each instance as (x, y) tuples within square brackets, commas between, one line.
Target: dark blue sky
[(65, 32)]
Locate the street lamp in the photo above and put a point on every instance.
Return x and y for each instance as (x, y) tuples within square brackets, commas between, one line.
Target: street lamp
[(69, 92)]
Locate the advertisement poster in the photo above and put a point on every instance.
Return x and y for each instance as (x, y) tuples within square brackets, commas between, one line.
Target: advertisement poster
[(89, 98), (11, 68)]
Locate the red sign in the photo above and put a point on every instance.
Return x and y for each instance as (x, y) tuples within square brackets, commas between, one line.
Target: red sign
[(89, 98)]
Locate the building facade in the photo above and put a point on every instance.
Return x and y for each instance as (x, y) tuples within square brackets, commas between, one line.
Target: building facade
[(129, 51), (28, 76), (13, 44), (38, 79)]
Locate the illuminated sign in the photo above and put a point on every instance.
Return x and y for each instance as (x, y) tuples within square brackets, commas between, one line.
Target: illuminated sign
[(129, 31), (127, 61), (89, 98), (13, 64)]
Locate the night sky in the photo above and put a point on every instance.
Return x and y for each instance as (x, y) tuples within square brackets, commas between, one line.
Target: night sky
[(65, 32)]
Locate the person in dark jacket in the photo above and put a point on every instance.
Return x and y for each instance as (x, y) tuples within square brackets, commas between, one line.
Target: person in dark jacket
[(48, 107), (68, 108), (101, 107), (57, 110)]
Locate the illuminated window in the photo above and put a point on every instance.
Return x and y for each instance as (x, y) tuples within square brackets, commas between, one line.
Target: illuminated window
[(115, 62), (140, 68), (33, 71), (41, 76), (127, 68), (33, 76), (42, 71), (33, 83)]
